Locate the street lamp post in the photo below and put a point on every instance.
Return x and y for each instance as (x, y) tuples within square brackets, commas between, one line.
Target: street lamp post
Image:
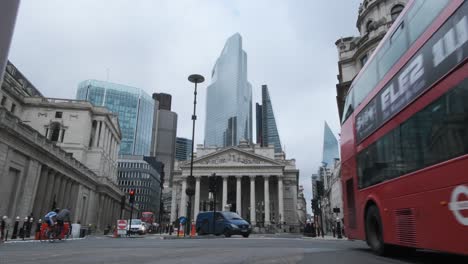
[(190, 192), (196, 79)]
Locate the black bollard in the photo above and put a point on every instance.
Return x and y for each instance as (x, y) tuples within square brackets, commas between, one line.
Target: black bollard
[(38, 230), (24, 228), (2, 229), (29, 227), (338, 229), (14, 235)]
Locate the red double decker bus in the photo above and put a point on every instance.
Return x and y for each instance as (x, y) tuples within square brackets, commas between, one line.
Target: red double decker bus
[(404, 135)]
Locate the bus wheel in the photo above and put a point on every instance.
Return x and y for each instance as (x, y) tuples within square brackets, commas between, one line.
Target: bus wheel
[(374, 236)]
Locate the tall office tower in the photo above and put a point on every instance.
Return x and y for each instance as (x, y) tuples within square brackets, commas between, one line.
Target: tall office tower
[(164, 137), (330, 147), (229, 98), (8, 12), (267, 132), (183, 148), (165, 100), (134, 107)]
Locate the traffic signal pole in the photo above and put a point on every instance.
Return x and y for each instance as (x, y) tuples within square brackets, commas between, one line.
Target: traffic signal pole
[(131, 200)]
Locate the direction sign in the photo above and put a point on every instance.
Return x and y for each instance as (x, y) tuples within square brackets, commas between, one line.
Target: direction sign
[(182, 220), (121, 227)]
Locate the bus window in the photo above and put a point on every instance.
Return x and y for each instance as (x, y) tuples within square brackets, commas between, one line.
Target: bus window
[(348, 107), (366, 82), (393, 49), (421, 16)]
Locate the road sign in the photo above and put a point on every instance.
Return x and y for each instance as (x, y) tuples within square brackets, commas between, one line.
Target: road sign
[(121, 227), (182, 220)]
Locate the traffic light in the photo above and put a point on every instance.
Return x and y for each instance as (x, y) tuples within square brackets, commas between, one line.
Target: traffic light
[(132, 196), (212, 183), (314, 205), (122, 202), (320, 188)]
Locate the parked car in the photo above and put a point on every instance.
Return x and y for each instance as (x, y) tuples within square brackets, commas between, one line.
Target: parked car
[(137, 227), (227, 223)]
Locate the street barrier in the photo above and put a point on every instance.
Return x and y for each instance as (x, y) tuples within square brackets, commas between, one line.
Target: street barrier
[(192, 231)]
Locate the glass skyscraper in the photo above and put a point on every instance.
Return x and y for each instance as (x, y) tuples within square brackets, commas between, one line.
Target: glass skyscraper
[(267, 132), (229, 98), (183, 148), (134, 107), (330, 147)]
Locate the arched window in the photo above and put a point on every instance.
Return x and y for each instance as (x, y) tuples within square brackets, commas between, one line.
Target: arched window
[(369, 26), (396, 10), (54, 131)]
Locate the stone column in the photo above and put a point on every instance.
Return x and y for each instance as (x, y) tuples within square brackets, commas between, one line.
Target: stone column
[(238, 195), (100, 211), (280, 198), (101, 139), (49, 193), (224, 202), (267, 199), (60, 135), (197, 197), (183, 199), (106, 137), (95, 139), (58, 185), (66, 201), (38, 210), (61, 192), (173, 203), (253, 220)]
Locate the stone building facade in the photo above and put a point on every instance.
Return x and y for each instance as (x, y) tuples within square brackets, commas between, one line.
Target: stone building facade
[(251, 180), (56, 153), (375, 18)]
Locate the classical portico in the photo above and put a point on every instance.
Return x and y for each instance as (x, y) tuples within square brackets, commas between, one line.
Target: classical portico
[(250, 181)]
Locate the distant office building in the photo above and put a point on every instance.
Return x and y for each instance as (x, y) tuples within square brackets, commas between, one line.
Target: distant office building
[(8, 12), (134, 107), (165, 100), (183, 148), (139, 174), (229, 98), (267, 131), (163, 142), (330, 147), (163, 145)]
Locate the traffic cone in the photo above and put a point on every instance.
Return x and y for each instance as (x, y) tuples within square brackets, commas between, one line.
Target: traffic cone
[(181, 230), (115, 233), (192, 231)]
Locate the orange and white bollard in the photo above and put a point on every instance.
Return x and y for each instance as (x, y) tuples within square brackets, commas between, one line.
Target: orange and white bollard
[(192, 231), (181, 230)]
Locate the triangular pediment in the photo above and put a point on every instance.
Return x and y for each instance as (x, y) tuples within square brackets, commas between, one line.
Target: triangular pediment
[(233, 157)]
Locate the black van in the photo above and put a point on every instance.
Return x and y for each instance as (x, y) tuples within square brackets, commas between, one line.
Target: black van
[(227, 223)]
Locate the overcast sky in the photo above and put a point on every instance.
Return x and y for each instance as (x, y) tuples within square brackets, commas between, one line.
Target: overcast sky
[(156, 44)]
